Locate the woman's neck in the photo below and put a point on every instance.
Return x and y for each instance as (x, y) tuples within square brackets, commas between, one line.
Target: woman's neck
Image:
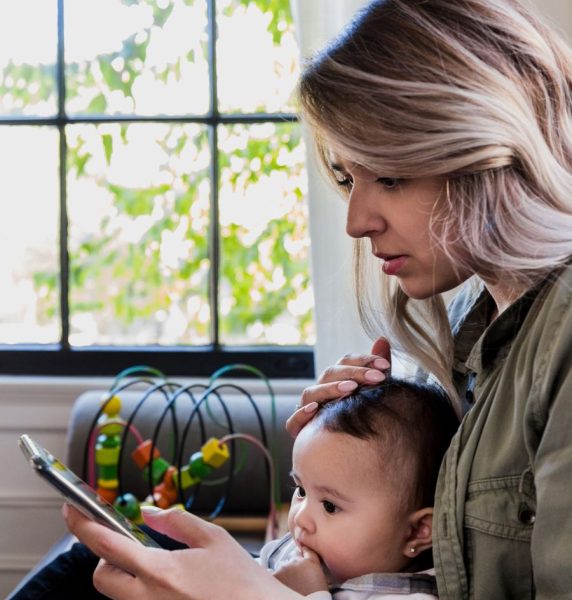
[(503, 295)]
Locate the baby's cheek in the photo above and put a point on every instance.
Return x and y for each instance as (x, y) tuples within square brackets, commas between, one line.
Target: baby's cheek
[(291, 516)]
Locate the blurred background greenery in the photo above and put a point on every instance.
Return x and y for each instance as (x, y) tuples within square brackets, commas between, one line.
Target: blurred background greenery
[(138, 117)]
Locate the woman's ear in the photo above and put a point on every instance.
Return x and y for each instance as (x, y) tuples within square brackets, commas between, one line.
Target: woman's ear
[(420, 532)]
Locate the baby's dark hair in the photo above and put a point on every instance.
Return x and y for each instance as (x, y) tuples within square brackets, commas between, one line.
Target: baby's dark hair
[(413, 422)]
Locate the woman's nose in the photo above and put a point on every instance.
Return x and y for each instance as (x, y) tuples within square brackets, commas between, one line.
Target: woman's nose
[(364, 217)]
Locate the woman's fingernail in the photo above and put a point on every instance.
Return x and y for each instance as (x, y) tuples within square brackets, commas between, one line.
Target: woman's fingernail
[(310, 408), (347, 386), (381, 363), (65, 510), (151, 510), (375, 376)]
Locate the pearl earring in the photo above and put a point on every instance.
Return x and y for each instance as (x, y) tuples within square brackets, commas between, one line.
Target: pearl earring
[(412, 550)]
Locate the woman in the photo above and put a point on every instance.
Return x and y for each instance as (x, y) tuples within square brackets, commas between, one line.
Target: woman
[(447, 125)]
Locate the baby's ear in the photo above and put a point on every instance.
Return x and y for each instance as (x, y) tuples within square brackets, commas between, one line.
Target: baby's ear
[(420, 532)]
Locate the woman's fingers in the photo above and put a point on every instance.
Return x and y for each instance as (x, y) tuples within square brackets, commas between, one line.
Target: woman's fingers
[(113, 547), (341, 379), (372, 372), (113, 582), (183, 526), (382, 348), (300, 418)]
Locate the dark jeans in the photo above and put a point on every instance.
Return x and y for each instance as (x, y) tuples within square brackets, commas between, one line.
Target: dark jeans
[(69, 575)]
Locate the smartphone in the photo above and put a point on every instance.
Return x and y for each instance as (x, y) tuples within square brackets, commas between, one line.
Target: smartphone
[(78, 493)]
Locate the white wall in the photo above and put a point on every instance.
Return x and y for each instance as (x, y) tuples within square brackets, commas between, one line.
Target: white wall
[(29, 510)]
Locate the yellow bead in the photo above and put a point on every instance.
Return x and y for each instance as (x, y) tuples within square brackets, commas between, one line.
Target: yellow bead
[(106, 456), (112, 428), (187, 480), (108, 484), (112, 406), (215, 454)]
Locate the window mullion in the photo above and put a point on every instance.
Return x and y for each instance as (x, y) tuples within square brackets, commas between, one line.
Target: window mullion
[(64, 254), (214, 229)]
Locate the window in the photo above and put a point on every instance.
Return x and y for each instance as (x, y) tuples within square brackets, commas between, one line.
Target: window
[(153, 188)]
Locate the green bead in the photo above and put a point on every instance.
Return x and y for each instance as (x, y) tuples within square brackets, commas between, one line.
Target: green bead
[(108, 441), (198, 467), (128, 506), (107, 471), (158, 468)]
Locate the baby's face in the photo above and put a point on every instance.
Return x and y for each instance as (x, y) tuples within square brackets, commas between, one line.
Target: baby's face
[(345, 508)]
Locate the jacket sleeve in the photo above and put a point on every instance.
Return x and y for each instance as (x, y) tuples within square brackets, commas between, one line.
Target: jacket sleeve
[(549, 430), (321, 595)]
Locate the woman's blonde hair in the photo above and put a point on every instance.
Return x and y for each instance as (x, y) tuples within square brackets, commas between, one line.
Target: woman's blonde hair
[(476, 91)]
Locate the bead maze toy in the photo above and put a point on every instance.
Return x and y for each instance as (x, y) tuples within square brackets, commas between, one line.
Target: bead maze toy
[(175, 479)]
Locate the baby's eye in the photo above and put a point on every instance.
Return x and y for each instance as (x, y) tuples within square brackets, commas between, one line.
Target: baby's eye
[(300, 491), (389, 183), (330, 507)]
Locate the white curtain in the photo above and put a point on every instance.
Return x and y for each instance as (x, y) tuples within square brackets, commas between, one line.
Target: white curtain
[(337, 325)]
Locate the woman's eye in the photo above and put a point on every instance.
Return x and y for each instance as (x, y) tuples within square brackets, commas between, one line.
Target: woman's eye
[(330, 507), (300, 491), (389, 183), (342, 180)]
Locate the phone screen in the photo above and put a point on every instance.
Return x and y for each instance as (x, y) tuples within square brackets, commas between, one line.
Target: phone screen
[(79, 493)]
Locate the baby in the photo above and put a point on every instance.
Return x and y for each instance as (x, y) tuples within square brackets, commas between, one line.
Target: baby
[(365, 470)]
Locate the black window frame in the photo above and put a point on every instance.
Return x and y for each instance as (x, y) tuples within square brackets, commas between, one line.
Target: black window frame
[(62, 359)]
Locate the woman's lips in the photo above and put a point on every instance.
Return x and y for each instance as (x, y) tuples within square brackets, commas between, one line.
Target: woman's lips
[(392, 264)]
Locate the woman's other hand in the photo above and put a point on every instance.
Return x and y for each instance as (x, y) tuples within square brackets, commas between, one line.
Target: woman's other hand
[(214, 567), (340, 380)]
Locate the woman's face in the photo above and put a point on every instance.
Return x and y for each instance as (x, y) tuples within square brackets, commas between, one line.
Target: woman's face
[(395, 214)]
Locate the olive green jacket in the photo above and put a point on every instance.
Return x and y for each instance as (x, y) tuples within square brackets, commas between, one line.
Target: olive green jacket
[(503, 510)]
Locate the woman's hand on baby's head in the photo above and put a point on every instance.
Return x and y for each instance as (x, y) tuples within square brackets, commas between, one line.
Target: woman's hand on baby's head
[(340, 380)]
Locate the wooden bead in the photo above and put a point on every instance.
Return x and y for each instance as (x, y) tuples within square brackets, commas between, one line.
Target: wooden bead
[(128, 506), (141, 454), (107, 494), (187, 480), (107, 471), (112, 406), (214, 453), (158, 468), (106, 456), (198, 467)]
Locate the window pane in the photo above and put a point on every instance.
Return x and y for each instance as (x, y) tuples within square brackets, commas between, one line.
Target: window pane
[(257, 56), (137, 58), (138, 201), (28, 47), (265, 294), (29, 305)]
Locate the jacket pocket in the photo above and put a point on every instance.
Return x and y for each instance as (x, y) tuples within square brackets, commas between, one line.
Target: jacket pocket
[(499, 519), (502, 506)]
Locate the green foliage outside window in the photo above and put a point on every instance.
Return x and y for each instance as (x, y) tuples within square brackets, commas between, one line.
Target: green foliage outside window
[(139, 194)]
